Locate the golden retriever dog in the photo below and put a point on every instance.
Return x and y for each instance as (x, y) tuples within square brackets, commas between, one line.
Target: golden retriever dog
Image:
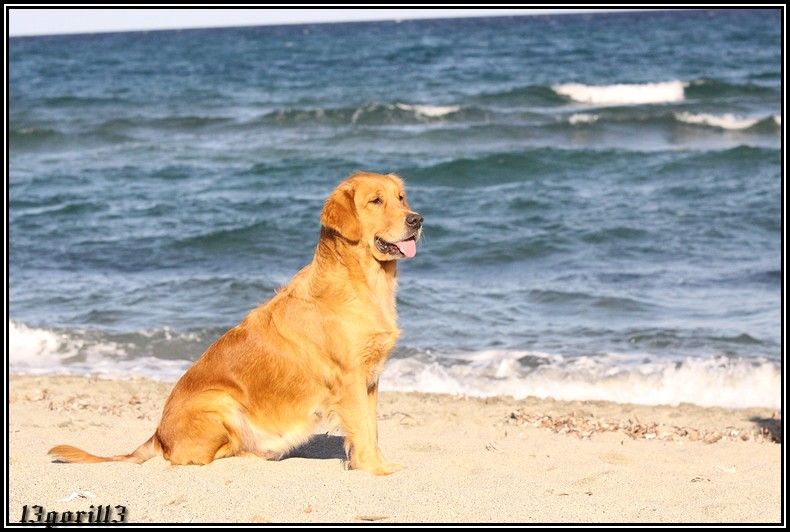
[(312, 352)]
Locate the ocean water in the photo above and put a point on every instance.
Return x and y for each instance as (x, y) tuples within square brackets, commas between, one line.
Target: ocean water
[(602, 195)]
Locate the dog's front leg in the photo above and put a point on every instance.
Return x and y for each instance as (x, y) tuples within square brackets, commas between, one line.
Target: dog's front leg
[(358, 415), (373, 399)]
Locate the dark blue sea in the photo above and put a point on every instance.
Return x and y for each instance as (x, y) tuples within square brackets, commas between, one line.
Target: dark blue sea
[(601, 192)]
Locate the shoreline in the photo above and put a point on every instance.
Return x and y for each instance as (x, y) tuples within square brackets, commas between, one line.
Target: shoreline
[(467, 459)]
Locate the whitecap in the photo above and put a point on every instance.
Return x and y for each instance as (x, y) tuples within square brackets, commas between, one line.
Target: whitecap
[(623, 93), (582, 118), (431, 111), (723, 121)]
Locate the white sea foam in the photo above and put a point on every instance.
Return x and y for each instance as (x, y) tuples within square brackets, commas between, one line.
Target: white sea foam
[(432, 111), (28, 347), (724, 121), (582, 118), (621, 378), (625, 378), (41, 351), (778, 120), (623, 93)]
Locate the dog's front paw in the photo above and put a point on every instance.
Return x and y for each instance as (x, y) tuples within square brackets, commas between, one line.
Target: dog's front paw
[(377, 467), (387, 468)]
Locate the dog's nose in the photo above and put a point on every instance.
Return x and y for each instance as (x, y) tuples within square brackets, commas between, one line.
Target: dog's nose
[(414, 220)]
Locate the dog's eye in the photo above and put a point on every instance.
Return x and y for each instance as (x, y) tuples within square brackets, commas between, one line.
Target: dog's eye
[(376, 201), (401, 198)]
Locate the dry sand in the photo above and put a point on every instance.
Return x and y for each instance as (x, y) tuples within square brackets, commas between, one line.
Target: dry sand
[(466, 459)]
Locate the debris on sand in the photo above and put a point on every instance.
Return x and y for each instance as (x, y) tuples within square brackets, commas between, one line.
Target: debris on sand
[(371, 517), (584, 425)]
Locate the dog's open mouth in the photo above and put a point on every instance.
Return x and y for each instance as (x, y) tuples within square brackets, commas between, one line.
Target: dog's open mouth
[(404, 248)]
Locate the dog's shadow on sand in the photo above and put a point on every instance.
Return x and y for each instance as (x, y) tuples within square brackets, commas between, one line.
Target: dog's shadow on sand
[(319, 447)]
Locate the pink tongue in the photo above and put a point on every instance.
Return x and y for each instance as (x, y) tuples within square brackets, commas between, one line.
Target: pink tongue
[(407, 247)]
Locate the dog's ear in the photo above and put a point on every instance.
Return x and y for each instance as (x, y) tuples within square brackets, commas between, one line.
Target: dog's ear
[(340, 214)]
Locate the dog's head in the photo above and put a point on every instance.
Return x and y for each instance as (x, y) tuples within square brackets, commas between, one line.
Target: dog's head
[(371, 210)]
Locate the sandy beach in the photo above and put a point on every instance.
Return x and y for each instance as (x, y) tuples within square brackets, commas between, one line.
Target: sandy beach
[(466, 459)]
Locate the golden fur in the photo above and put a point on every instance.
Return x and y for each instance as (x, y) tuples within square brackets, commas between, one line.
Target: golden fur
[(313, 351)]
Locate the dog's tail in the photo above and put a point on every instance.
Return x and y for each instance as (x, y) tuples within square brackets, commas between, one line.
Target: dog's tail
[(69, 454)]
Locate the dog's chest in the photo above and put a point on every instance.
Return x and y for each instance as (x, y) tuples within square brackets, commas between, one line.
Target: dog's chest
[(376, 352), (371, 324), (380, 344)]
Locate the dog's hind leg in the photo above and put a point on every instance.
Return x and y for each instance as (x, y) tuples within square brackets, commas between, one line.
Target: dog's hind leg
[(200, 433)]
